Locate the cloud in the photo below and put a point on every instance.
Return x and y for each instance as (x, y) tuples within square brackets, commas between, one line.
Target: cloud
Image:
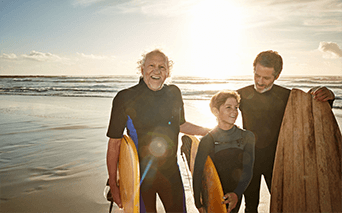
[(319, 15), (40, 63), (85, 3), (11, 56), (331, 49), (328, 24), (39, 56), (49, 57), (96, 57)]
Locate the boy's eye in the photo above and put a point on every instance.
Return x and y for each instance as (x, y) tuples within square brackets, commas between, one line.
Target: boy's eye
[(231, 107)]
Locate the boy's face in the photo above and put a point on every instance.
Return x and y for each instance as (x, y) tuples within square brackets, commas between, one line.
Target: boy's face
[(227, 113)]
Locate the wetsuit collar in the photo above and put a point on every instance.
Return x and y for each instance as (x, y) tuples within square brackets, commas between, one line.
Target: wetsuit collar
[(264, 93), (230, 132), (145, 87)]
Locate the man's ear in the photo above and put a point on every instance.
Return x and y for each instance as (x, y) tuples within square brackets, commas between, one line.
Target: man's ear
[(277, 77)]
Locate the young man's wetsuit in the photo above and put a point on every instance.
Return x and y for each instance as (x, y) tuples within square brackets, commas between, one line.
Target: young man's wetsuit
[(262, 113), (232, 152), (153, 119)]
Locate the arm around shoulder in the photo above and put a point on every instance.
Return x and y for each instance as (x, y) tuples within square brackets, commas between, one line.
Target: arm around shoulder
[(192, 129)]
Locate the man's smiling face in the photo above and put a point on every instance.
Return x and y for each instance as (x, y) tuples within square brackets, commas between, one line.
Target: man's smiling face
[(155, 71)]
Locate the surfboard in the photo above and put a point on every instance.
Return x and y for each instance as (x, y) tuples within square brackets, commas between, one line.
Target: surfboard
[(189, 148), (212, 187), (129, 175), (307, 167)]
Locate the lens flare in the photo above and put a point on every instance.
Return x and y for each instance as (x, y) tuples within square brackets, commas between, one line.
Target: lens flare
[(158, 147)]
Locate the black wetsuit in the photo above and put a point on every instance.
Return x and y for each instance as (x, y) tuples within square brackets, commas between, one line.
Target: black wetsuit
[(232, 152), (153, 119), (262, 113)]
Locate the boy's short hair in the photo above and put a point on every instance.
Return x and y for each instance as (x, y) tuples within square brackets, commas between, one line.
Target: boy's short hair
[(221, 97)]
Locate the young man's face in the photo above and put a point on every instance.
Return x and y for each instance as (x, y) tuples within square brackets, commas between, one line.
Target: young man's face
[(155, 71), (263, 78)]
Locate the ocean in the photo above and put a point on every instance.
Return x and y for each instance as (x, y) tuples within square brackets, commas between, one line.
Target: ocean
[(53, 136), (193, 88)]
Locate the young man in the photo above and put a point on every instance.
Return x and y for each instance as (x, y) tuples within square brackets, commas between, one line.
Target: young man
[(262, 107)]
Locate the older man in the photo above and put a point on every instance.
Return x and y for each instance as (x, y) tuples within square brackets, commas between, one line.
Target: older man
[(153, 114)]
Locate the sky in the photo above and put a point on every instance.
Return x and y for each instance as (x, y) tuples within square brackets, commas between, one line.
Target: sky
[(206, 38)]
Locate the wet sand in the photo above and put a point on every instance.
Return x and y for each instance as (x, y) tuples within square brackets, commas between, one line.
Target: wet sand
[(53, 153)]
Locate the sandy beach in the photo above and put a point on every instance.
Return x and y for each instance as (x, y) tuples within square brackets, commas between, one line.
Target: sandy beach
[(53, 153)]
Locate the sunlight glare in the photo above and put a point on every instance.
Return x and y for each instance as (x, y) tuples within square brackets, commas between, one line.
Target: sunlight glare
[(215, 30), (199, 112)]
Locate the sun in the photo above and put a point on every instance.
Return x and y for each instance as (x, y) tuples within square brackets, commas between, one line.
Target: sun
[(215, 38)]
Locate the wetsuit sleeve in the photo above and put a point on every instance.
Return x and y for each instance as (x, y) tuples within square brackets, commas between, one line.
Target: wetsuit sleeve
[(204, 148), (248, 162), (178, 102), (182, 117), (181, 111), (331, 102), (118, 117)]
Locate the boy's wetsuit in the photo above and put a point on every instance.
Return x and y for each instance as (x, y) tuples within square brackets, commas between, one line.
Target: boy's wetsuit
[(153, 119), (232, 152)]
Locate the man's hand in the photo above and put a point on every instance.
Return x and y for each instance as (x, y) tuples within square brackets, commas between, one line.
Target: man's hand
[(322, 93), (115, 190), (231, 199)]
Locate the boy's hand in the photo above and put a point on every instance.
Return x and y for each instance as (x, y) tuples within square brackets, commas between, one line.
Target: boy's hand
[(201, 210), (231, 199)]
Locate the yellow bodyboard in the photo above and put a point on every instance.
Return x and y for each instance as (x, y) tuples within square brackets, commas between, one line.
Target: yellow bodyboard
[(212, 196), (129, 176)]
